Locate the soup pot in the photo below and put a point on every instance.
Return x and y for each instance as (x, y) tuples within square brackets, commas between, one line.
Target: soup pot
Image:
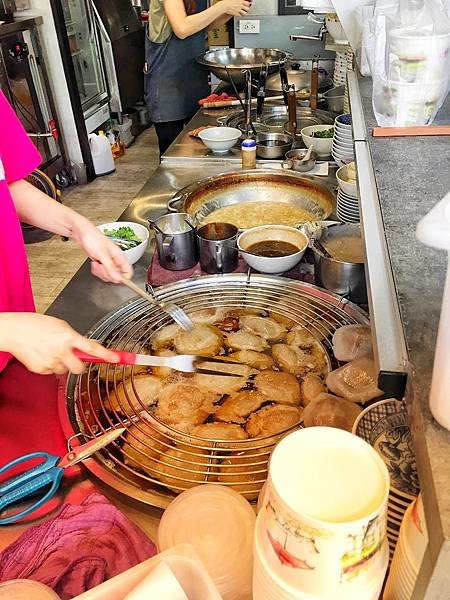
[(345, 278)]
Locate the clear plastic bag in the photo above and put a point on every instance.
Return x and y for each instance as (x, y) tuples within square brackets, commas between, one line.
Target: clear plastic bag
[(411, 61)]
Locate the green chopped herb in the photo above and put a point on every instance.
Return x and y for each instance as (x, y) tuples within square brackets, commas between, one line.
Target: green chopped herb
[(325, 133)]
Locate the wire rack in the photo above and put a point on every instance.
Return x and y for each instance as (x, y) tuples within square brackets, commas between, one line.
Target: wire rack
[(134, 464)]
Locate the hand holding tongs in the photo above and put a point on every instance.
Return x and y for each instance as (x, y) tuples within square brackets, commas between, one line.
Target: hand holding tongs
[(46, 473), (186, 363), (176, 312)]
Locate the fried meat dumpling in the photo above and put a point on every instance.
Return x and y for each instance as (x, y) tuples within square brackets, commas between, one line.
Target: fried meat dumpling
[(208, 316), (282, 320), (183, 404), (164, 337), (222, 385), (355, 381), (129, 398), (142, 445), (205, 340), (265, 327), (238, 406), (300, 337), (287, 358), (116, 373), (352, 341), (179, 470), (256, 360), (220, 431), (311, 387), (273, 419), (279, 387), (245, 471), (244, 340), (163, 372), (331, 411)]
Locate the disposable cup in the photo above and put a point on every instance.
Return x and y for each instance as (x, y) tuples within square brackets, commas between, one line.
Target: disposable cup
[(324, 530)]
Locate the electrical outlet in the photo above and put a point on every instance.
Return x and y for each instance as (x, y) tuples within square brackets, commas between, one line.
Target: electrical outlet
[(249, 26)]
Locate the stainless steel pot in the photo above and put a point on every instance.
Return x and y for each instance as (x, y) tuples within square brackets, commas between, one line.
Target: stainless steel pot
[(202, 198), (227, 62), (273, 145), (344, 278), (301, 79), (335, 98)]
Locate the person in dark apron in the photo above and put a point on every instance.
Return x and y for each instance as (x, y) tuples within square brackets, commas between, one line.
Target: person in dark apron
[(174, 81)]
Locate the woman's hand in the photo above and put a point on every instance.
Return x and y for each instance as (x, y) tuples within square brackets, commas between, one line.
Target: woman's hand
[(236, 8), (44, 344), (108, 260)]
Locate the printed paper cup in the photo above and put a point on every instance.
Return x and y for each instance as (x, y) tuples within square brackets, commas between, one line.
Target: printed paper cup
[(325, 510)]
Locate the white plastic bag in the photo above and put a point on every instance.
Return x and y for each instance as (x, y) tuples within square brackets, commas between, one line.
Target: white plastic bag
[(411, 61)]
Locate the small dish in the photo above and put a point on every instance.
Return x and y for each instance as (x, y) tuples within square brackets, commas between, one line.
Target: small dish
[(220, 139), (272, 233), (133, 254), (294, 160)]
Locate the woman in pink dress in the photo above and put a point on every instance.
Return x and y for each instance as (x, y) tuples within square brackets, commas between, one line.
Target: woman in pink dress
[(42, 343)]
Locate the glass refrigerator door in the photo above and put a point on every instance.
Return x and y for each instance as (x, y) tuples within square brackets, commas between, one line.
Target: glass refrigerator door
[(86, 54)]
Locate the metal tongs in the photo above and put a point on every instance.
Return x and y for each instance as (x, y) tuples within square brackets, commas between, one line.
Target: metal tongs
[(314, 83), (248, 116), (176, 312), (186, 363), (263, 72)]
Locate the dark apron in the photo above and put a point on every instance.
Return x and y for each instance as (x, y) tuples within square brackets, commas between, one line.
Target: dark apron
[(175, 82)]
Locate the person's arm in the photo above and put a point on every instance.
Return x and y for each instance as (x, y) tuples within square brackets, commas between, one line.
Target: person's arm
[(184, 25), (45, 344), (35, 208), (220, 21)]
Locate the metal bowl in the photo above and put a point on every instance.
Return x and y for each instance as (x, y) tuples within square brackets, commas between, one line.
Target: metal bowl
[(294, 160), (238, 59), (272, 145), (202, 198)]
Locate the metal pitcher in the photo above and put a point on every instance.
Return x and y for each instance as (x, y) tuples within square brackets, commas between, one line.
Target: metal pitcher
[(218, 247), (176, 241)]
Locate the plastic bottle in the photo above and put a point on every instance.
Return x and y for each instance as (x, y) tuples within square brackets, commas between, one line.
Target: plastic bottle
[(102, 155), (248, 148)]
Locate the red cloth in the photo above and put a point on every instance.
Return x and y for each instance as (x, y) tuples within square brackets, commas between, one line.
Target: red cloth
[(18, 157), (80, 548), (29, 414), (157, 275)]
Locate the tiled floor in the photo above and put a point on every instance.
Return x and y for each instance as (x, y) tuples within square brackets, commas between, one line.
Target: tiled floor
[(53, 262)]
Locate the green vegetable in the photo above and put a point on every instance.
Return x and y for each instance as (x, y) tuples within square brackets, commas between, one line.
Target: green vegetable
[(125, 233), (325, 133)]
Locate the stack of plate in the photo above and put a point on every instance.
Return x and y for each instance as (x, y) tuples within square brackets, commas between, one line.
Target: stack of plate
[(342, 147), (408, 555), (347, 207), (340, 69), (385, 426)]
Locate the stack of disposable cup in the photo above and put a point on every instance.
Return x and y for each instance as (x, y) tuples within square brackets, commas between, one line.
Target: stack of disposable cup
[(411, 546), (321, 529)]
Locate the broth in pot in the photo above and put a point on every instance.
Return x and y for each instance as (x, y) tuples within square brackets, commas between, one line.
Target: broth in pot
[(346, 248)]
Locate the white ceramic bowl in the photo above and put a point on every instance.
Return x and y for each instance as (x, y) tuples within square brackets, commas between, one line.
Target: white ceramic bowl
[(134, 254), (343, 121), (220, 139), (322, 146), (347, 186), (272, 264)]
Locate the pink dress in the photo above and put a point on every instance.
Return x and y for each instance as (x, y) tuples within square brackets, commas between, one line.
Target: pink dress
[(18, 157)]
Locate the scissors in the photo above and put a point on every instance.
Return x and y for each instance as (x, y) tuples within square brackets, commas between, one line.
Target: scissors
[(48, 472)]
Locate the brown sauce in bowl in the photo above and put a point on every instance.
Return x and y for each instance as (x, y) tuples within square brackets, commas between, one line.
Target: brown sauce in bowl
[(272, 248)]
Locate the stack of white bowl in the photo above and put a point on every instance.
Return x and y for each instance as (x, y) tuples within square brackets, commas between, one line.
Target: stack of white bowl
[(340, 69), (342, 146), (409, 553), (321, 529), (347, 197), (385, 426)]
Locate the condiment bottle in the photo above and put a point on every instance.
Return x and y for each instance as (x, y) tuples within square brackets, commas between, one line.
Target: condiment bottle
[(248, 148)]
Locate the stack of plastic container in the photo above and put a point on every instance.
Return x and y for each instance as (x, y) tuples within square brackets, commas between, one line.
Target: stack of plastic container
[(321, 530)]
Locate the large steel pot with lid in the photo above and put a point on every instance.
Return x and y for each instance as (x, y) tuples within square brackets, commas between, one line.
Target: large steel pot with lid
[(301, 79), (202, 198), (227, 62)]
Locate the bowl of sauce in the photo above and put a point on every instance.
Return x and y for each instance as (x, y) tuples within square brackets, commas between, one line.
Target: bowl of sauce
[(272, 248)]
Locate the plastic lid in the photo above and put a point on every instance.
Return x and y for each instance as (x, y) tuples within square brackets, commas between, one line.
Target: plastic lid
[(219, 523), (248, 143)]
